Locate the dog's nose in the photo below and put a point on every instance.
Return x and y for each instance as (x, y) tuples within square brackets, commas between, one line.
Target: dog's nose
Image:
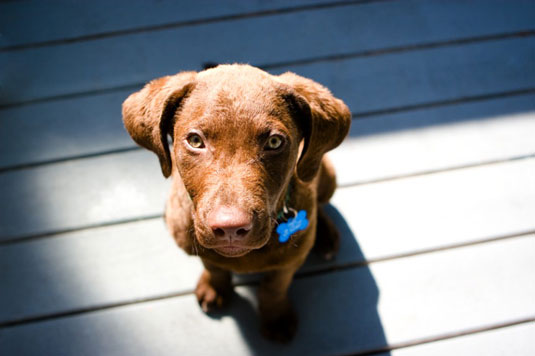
[(229, 222)]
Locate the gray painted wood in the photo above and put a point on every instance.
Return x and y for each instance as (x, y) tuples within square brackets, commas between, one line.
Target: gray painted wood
[(63, 128), (92, 268), (34, 21), (341, 312), (84, 192), (117, 264), (92, 124), (92, 191), (433, 139), (419, 77), (514, 340), (441, 209), (125, 60), (460, 286)]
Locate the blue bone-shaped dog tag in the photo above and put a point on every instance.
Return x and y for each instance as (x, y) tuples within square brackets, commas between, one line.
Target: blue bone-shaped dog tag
[(293, 225)]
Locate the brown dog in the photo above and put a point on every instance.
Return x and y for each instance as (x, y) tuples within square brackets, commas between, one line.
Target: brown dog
[(247, 154)]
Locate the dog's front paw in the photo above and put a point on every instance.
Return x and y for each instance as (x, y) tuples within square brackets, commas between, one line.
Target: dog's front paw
[(281, 328), (210, 297)]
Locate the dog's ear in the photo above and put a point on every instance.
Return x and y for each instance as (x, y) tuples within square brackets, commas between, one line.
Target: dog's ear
[(148, 114), (324, 121)]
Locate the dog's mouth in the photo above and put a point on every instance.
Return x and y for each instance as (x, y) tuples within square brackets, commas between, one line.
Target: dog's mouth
[(232, 250)]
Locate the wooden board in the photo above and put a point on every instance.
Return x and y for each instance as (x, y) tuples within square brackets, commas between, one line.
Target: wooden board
[(64, 128), (441, 209), (92, 268), (37, 22), (418, 77), (433, 294), (436, 139), (86, 66), (513, 340), (139, 260), (80, 193)]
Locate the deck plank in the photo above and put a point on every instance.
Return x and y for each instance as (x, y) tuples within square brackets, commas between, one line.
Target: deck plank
[(37, 22), (441, 209), (86, 66), (92, 268), (63, 128), (514, 340), (92, 124), (79, 193), (436, 139), (434, 294), (116, 264), (414, 78)]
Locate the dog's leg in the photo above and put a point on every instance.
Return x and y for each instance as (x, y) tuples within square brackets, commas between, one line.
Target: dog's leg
[(327, 237), (214, 288), (326, 181), (279, 321)]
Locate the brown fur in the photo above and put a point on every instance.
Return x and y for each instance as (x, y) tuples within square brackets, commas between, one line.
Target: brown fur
[(234, 109)]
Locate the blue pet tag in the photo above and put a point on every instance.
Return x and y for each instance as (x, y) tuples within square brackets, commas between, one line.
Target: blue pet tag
[(293, 225)]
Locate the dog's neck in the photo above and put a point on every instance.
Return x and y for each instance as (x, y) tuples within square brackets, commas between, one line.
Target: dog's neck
[(289, 220), (285, 212)]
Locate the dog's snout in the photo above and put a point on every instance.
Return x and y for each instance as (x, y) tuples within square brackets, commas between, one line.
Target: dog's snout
[(229, 222)]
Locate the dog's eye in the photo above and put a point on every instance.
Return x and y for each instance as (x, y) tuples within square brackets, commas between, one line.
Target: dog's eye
[(274, 142), (195, 141)]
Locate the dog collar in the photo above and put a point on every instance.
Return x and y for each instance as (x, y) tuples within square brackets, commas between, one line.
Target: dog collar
[(290, 220)]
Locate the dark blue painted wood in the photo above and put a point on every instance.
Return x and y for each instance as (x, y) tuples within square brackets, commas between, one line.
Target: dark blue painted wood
[(94, 65), (30, 22)]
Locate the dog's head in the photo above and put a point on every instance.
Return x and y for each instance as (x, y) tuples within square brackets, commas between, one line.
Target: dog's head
[(239, 135)]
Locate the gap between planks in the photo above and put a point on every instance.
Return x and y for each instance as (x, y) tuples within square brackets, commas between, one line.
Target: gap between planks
[(330, 58), (440, 170), (442, 337), (194, 22), (299, 275)]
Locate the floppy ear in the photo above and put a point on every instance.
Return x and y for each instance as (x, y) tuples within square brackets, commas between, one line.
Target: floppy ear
[(148, 114), (325, 123)]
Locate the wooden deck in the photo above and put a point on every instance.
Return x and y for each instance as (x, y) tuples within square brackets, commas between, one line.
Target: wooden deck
[(437, 197)]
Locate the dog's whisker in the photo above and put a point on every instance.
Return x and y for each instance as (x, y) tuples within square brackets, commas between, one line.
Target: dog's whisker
[(196, 247)]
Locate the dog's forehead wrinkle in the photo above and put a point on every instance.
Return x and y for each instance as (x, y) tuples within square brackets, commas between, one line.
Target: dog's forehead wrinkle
[(236, 165), (238, 111), (235, 185), (237, 131), (250, 89), (237, 75)]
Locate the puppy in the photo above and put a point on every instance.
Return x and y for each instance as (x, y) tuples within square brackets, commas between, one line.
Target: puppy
[(249, 175)]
